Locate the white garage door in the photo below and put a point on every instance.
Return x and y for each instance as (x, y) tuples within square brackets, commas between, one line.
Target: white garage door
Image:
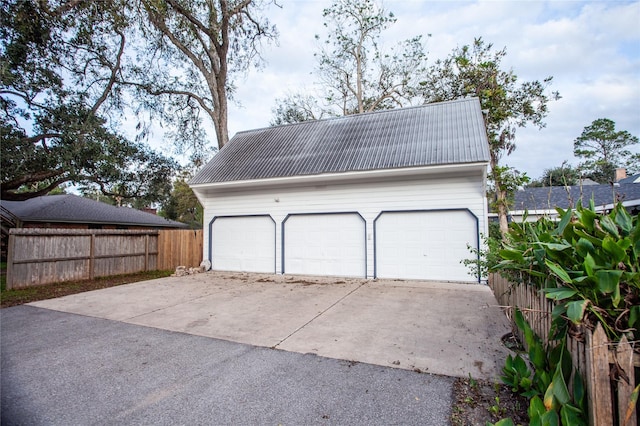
[(243, 243), (426, 245), (325, 244)]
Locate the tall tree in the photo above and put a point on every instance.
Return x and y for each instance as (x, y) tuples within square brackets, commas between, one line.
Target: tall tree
[(197, 48), (355, 74), (183, 205), (59, 84), (476, 70), (563, 175), (296, 108), (603, 149)]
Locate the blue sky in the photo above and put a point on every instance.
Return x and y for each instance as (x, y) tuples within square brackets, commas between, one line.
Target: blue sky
[(592, 50)]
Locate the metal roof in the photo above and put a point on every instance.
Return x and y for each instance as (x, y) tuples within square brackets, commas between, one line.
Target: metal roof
[(435, 134), (73, 209), (549, 197)]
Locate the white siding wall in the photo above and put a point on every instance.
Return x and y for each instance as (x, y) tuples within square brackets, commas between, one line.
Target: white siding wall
[(368, 199)]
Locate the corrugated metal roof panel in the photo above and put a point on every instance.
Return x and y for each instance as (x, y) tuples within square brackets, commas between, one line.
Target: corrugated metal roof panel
[(441, 133)]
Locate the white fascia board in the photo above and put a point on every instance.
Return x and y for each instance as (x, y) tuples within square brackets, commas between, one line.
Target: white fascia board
[(342, 177)]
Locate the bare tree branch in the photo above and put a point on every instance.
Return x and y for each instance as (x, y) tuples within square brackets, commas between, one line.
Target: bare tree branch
[(114, 72)]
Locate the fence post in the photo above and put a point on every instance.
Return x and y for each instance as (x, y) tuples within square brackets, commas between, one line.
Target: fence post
[(624, 356), (92, 253), (599, 387), (146, 252), (161, 251), (10, 253)]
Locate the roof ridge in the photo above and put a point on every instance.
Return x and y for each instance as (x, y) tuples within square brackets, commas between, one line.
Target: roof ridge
[(351, 116)]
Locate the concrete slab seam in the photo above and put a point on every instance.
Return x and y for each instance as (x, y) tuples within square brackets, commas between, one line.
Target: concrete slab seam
[(171, 306), (319, 314)]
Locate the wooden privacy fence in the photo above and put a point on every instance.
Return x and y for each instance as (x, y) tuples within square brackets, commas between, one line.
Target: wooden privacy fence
[(179, 247), (593, 355), (42, 256)]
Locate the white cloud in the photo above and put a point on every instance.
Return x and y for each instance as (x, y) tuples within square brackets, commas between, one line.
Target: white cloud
[(592, 50)]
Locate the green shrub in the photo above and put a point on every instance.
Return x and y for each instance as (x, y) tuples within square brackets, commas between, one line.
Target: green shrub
[(485, 259), (588, 263)]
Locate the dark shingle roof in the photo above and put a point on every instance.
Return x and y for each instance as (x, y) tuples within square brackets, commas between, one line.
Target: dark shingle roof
[(557, 196), (631, 179), (73, 209), (435, 134)]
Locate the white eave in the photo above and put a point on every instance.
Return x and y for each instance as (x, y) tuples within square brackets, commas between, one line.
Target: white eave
[(345, 177)]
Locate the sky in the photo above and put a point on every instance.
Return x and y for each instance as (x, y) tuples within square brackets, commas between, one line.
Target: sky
[(592, 50)]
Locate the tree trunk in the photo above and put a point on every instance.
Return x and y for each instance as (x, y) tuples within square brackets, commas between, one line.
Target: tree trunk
[(500, 194), (222, 128), (501, 201)]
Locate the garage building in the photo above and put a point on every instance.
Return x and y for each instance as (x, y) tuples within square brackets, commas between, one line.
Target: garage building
[(389, 194)]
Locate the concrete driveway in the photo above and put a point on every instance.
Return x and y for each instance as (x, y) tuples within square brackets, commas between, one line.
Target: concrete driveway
[(441, 328)]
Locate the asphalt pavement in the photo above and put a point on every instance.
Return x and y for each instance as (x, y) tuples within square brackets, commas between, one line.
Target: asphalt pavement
[(61, 368)]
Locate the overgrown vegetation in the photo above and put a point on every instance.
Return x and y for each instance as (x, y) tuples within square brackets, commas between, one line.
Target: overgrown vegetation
[(550, 402), (588, 263)]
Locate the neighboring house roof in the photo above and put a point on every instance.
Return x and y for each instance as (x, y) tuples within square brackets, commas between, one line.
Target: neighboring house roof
[(435, 134), (548, 198), (73, 209), (631, 179)]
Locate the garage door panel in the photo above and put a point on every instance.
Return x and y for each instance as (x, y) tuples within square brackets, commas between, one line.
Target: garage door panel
[(244, 243), (325, 244), (424, 244)]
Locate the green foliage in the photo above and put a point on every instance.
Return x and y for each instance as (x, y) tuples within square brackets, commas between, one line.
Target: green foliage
[(503, 422), (552, 368), (484, 258), (588, 263), (496, 409), (603, 149), (510, 180), (182, 205), (563, 175), (476, 70), (60, 90), (516, 374)]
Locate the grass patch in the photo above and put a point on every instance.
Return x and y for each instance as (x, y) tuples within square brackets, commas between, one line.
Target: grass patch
[(19, 296)]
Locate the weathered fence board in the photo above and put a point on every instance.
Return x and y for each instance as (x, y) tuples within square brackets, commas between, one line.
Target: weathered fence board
[(179, 247), (43, 256), (39, 256), (598, 389), (624, 355), (592, 354)]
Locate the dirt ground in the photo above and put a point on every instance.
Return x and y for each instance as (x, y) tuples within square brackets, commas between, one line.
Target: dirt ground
[(21, 296), (477, 402)]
